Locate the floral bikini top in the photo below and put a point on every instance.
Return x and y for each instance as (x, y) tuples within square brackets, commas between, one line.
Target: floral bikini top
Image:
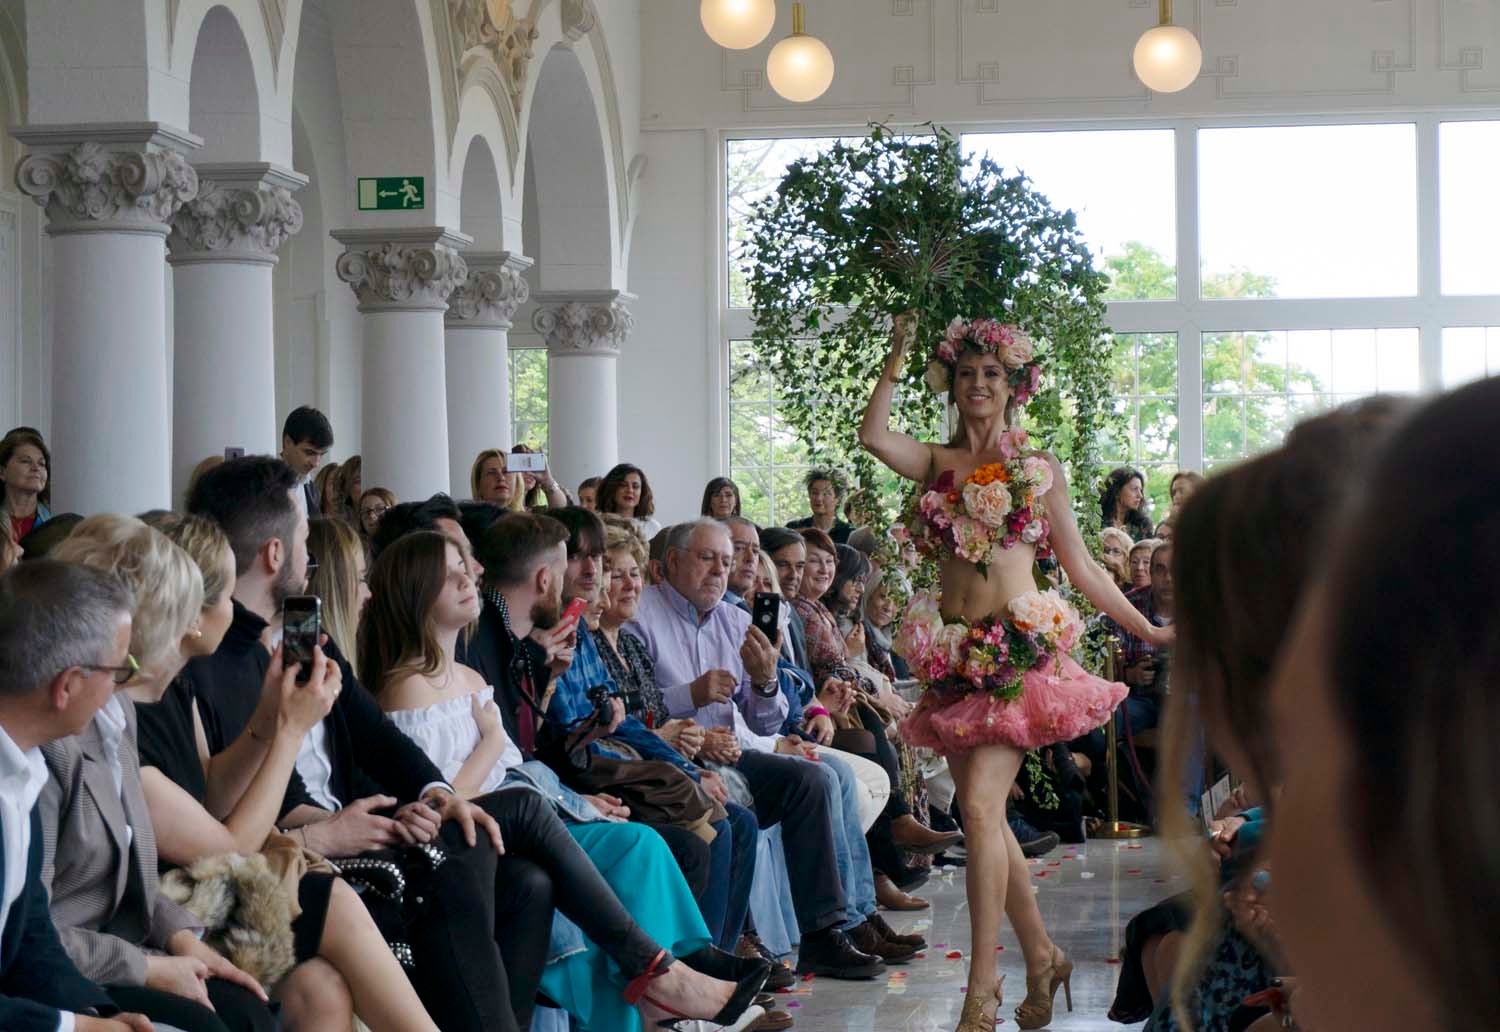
[(998, 507)]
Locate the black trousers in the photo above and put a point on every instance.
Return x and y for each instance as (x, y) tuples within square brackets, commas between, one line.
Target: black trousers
[(692, 854), (533, 832), (795, 793), (236, 1009)]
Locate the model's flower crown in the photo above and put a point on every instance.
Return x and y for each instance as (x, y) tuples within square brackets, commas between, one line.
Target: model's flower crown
[(1006, 341)]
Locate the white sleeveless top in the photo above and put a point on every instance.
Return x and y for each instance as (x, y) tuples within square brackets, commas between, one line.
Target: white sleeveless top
[(447, 733)]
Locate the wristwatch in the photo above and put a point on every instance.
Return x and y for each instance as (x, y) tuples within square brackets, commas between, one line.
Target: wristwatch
[(765, 689)]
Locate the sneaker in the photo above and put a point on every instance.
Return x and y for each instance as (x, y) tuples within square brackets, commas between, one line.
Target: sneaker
[(867, 939), (1033, 842), (830, 952)]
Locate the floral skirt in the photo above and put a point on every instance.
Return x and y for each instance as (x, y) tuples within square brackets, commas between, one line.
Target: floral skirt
[(1006, 680)]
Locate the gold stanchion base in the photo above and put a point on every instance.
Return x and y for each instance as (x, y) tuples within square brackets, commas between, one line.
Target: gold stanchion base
[(1118, 830)]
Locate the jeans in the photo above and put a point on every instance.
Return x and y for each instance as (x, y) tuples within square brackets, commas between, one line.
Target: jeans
[(802, 796), (726, 900), (850, 849)]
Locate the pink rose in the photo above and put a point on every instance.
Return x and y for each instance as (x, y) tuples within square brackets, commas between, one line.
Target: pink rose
[(1012, 443), (1038, 472), (1015, 351), (956, 329)]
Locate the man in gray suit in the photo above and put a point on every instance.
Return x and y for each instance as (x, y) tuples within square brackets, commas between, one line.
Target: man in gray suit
[(64, 631)]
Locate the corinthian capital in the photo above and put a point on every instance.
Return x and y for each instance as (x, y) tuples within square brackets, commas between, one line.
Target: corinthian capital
[(496, 287), (241, 212), (129, 182), (401, 269), (592, 323)]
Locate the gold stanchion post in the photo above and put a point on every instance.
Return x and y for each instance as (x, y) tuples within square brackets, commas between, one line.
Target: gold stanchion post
[(1113, 827)]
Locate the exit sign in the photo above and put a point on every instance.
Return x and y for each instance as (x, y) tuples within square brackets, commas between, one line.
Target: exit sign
[(402, 193)]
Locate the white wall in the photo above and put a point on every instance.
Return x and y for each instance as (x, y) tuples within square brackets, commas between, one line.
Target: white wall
[(968, 64)]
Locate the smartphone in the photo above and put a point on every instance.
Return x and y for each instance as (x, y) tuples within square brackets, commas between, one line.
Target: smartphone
[(301, 627), (766, 614), (574, 612), (233, 453), (525, 462)]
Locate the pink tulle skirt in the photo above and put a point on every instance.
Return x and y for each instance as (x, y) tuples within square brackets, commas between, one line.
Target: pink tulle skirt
[(1060, 701)]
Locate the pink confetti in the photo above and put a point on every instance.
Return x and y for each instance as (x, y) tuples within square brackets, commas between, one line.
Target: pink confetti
[(921, 956), (953, 954), (1112, 960), (807, 977), (792, 1003), (1055, 863), (1134, 870), (938, 945), (999, 949), (1135, 847), (1041, 874)]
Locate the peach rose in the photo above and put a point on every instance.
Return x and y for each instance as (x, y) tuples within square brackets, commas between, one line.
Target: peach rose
[(1017, 351), (1032, 613), (990, 504)]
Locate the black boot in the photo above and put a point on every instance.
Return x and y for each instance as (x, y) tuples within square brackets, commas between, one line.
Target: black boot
[(830, 952)]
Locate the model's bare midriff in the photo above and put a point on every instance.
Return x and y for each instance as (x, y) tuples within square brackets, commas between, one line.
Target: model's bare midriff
[(967, 593)]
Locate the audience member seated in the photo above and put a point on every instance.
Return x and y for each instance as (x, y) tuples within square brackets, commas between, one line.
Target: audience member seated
[(721, 671), (788, 552), (325, 486), (489, 481), (1141, 665), (540, 491), (351, 488), (826, 488), (1138, 562), (64, 647), (306, 437), (422, 598), (1122, 503), (625, 491), (1384, 842), (25, 481), (588, 493), (1114, 556), (721, 498), (718, 867), (373, 505), (100, 858), (1184, 483), (1165, 530), (357, 972), (885, 600)]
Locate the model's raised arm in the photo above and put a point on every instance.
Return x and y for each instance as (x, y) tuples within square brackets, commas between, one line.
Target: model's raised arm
[(909, 457)]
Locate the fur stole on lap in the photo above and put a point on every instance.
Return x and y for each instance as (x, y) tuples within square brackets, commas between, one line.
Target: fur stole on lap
[(246, 907)]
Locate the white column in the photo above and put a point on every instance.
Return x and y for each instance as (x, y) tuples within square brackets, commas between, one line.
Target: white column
[(480, 313), (109, 192), (223, 246), (403, 278), (584, 331)]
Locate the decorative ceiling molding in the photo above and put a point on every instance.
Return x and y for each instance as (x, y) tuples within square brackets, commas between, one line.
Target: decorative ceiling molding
[(272, 16), (988, 78), (743, 71), (492, 31), (1460, 35)]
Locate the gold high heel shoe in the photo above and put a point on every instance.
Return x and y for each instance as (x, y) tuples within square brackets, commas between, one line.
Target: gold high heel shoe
[(1036, 1010), (974, 1017)]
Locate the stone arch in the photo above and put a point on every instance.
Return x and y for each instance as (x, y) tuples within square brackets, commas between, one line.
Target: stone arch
[(228, 51), (482, 151), (569, 182)]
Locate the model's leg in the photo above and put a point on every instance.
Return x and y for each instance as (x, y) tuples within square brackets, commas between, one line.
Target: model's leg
[(1022, 910), (383, 996), (983, 777)]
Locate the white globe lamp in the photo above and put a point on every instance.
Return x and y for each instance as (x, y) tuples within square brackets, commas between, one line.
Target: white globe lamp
[(737, 24), (1168, 57), (800, 67)]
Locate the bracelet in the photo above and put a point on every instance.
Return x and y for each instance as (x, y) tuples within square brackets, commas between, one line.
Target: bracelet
[(815, 711)]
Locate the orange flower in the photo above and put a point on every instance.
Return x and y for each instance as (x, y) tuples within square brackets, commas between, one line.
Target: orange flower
[(989, 473)]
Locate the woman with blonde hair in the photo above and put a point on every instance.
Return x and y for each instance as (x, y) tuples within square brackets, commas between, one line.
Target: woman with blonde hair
[(1114, 555), (326, 488), (342, 963), (489, 481), (340, 578)]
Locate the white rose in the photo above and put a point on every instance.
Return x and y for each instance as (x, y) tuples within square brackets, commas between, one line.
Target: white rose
[(989, 504), (1032, 532), (1031, 612)]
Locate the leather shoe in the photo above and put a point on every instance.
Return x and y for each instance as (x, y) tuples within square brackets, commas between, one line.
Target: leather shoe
[(781, 976), (772, 1021), (830, 952), (892, 898), (890, 934), (908, 833), (869, 940)]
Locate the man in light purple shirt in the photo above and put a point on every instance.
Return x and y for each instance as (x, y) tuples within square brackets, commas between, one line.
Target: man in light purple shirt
[(715, 667)]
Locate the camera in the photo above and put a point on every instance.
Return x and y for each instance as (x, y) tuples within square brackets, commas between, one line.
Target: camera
[(600, 695)]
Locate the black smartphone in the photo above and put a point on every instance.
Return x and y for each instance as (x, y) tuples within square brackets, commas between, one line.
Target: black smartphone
[(766, 614), (301, 627)]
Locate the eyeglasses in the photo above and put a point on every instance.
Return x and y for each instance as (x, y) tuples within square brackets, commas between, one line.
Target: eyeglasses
[(374, 510), (121, 675), (312, 567)]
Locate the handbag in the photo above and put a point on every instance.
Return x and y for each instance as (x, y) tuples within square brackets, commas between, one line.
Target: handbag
[(391, 882), (656, 791)]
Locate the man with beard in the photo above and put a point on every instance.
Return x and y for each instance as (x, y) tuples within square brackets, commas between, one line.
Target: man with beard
[(481, 937)]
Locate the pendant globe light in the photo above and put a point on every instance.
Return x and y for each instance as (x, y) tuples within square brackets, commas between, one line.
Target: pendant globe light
[(800, 67), (1168, 57), (737, 24)]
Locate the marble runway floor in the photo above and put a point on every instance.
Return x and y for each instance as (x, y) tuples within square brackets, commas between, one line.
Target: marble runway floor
[(1087, 893)]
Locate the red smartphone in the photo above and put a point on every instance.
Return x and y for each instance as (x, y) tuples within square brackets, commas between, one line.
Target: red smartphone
[(574, 612)]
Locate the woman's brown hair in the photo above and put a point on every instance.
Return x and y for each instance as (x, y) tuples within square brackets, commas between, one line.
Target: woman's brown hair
[(1245, 551), (604, 498), (395, 632), (11, 443), (819, 539), (1414, 646)]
